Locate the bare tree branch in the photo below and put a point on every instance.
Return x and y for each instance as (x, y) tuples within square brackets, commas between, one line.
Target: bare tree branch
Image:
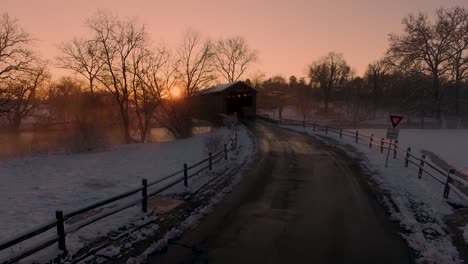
[(327, 73), (196, 62), (233, 57)]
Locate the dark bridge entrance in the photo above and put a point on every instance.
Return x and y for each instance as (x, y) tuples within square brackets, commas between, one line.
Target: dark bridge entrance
[(236, 97), (240, 102)]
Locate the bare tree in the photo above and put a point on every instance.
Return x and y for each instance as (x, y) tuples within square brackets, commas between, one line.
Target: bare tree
[(23, 90), (257, 79), (82, 57), (116, 40), (359, 110), (303, 99), (16, 55), (459, 59), (375, 75), (427, 48), (61, 100), (327, 73), (196, 58), (150, 85), (83, 116), (233, 57)]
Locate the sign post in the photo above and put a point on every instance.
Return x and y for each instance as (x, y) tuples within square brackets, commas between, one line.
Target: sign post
[(392, 133)]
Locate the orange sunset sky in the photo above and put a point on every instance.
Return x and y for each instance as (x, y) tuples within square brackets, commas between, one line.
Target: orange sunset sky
[(287, 34)]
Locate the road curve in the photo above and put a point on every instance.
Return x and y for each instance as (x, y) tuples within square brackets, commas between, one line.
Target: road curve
[(300, 203)]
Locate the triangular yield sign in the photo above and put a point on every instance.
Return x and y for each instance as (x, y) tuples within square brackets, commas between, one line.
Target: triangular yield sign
[(396, 119)]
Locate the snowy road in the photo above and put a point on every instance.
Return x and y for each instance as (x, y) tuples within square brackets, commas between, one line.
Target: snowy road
[(301, 202)]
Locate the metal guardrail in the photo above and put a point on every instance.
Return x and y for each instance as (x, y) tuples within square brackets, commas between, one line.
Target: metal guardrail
[(449, 176), (59, 223)]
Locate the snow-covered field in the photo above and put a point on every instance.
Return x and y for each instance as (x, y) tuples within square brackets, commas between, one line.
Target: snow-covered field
[(416, 203), (34, 187), (451, 145)]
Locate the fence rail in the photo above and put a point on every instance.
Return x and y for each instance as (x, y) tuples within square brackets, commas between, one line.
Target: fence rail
[(424, 166), (63, 230)]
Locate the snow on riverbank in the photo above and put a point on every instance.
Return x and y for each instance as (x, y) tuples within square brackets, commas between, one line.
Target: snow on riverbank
[(416, 203), (34, 187), (245, 151)]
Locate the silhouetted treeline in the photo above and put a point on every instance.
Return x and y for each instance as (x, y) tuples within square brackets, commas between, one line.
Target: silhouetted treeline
[(423, 74), (122, 79)]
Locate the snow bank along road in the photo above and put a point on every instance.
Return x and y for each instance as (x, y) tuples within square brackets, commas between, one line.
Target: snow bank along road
[(300, 202)]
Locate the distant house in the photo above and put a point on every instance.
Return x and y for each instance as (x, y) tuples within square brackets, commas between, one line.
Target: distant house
[(231, 98)]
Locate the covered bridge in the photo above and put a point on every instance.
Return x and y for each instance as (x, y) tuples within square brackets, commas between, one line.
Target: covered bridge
[(236, 97)]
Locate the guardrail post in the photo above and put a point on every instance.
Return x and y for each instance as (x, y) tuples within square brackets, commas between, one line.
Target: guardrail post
[(395, 148), (381, 145), (144, 195), (186, 174), (225, 152), (371, 140), (408, 151), (313, 127), (232, 144), (421, 167), (303, 123), (326, 130), (447, 186), (357, 135), (61, 230), (210, 161), (341, 133)]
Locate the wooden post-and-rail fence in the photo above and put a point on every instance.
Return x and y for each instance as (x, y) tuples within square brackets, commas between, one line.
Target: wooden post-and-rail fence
[(421, 163), (61, 218)]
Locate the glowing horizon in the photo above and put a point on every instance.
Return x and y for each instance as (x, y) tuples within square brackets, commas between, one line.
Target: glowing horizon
[(287, 36)]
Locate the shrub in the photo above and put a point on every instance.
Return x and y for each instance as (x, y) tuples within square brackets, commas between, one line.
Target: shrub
[(214, 141)]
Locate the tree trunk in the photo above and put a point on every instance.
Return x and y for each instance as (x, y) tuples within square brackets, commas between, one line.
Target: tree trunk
[(326, 99), (376, 98), (91, 86), (437, 98), (125, 124), (15, 122), (457, 98)]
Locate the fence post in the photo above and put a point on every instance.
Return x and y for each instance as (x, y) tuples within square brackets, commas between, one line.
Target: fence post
[(381, 145), (61, 230), (395, 149), (232, 144), (447, 186), (341, 132), (225, 152), (421, 167), (144, 195), (357, 135), (371, 140), (407, 157), (326, 129), (186, 174), (210, 161)]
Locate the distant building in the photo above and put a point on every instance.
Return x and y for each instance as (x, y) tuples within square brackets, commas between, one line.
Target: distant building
[(232, 98)]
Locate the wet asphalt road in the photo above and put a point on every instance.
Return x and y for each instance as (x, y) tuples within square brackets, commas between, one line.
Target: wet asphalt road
[(300, 203)]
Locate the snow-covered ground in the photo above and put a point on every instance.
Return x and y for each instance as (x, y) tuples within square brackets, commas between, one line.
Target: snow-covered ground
[(34, 187), (416, 203), (451, 145)]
